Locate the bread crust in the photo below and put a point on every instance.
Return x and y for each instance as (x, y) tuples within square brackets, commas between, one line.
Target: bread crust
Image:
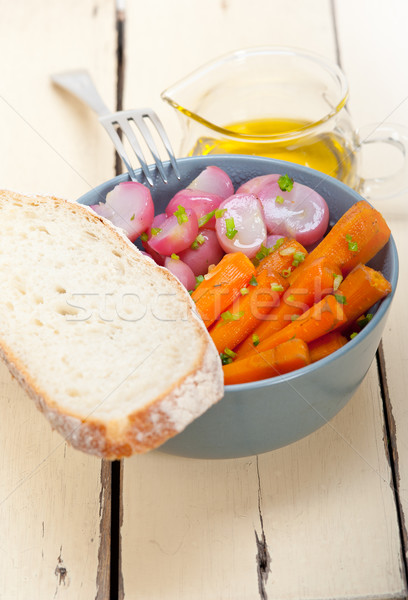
[(166, 415)]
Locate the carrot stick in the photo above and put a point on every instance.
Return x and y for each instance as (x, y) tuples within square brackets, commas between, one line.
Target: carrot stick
[(361, 289), (356, 237), (310, 286), (321, 318), (222, 285), (247, 310), (284, 259), (326, 345), (286, 357)]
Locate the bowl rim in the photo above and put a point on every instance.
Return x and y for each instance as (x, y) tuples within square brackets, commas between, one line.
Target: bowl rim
[(383, 305)]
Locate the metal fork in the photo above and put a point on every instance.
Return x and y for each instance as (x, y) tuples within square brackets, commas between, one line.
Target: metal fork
[(80, 84)]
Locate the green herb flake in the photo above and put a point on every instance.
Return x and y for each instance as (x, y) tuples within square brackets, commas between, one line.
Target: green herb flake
[(190, 292), (156, 230), (286, 272), (352, 246), (298, 258), (132, 218), (340, 298), (362, 321), (294, 317), (230, 225), (244, 291), (285, 183), (220, 212), (263, 252), (225, 359), (253, 280), (144, 237), (180, 213), (228, 316), (291, 298), (199, 279), (175, 256), (199, 241), (287, 251), (278, 243), (276, 287), (337, 281), (255, 339), (353, 335), (279, 200), (230, 353), (205, 218)]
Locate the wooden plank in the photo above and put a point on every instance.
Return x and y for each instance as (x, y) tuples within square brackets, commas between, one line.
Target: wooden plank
[(54, 501), (314, 520), (383, 48)]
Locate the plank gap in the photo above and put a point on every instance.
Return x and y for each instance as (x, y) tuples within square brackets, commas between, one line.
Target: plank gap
[(392, 452), (115, 531), (120, 72), (104, 552)]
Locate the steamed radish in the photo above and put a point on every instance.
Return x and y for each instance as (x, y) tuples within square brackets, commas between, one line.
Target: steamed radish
[(213, 180), (182, 271), (132, 208), (202, 203), (242, 227), (272, 239), (256, 184), (103, 210), (293, 210), (207, 251), (177, 233), (155, 228)]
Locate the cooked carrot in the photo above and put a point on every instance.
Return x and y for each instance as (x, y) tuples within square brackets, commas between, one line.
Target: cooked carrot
[(285, 259), (313, 283), (222, 285), (286, 357), (361, 289), (321, 318), (326, 345), (247, 310), (356, 237)]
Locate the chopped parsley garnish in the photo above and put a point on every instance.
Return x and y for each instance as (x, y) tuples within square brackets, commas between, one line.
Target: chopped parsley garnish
[(294, 317), (180, 213), (132, 218), (155, 230), (200, 239), (352, 246), (291, 298), (255, 339), (279, 200), (288, 251), (227, 356), (205, 218), (340, 298), (144, 237), (276, 287), (263, 252), (220, 212), (298, 258), (286, 272), (244, 291), (362, 321), (253, 280), (337, 281), (353, 335), (175, 256), (199, 279), (285, 183), (228, 316), (278, 243), (230, 225)]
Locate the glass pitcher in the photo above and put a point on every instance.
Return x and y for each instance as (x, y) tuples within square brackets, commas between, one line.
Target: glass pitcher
[(282, 103)]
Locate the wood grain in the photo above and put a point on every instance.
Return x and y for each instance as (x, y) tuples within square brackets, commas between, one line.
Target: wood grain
[(54, 506), (316, 519)]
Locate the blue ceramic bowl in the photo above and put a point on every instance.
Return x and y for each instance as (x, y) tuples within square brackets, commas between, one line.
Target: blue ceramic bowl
[(253, 418)]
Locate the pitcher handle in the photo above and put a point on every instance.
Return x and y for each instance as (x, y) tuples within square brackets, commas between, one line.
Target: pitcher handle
[(388, 186)]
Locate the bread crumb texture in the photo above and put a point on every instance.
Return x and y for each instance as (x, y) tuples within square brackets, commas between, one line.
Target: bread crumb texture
[(106, 342)]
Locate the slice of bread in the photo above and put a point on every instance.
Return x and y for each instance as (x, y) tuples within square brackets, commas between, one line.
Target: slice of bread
[(106, 342)]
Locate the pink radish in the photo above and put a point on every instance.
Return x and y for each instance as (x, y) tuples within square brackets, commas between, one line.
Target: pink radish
[(207, 251), (242, 227), (177, 233), (202, 203), (213, 180), (182, 271)]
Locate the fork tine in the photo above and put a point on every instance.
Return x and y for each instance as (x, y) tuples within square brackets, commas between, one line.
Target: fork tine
[(144, 130), (107, 122), (150, 114)]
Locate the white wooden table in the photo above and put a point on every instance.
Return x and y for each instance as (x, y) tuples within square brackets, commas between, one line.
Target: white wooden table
[(323, 518)]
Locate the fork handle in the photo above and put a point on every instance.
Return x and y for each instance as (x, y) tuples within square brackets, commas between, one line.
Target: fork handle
[(80, 84)]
